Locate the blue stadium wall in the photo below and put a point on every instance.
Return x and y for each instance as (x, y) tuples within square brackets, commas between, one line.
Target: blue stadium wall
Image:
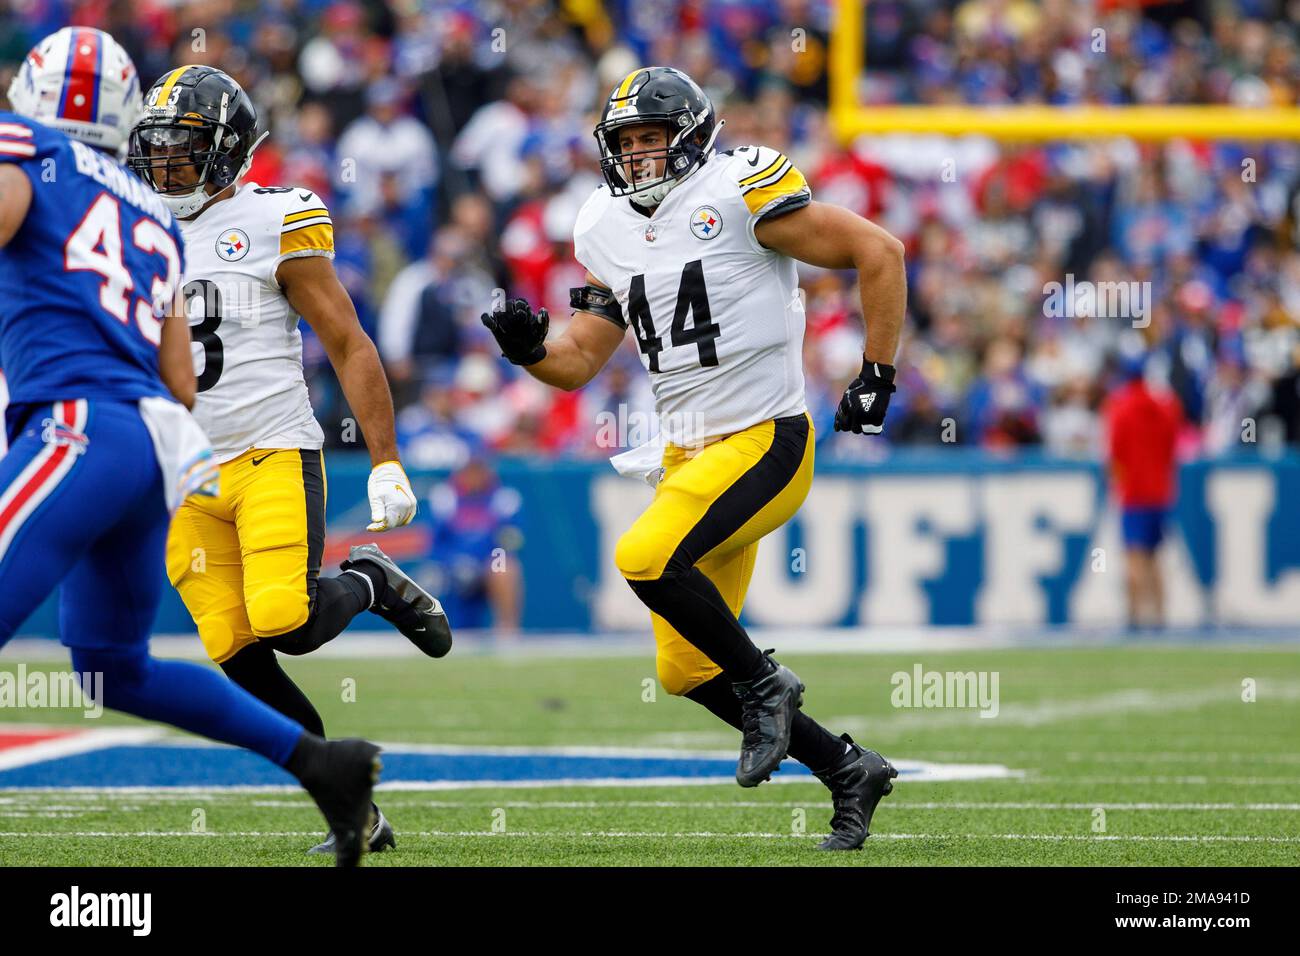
[(950, 539)]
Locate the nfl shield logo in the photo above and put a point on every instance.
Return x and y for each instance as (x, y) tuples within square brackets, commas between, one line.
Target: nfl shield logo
[(232, 245), (650, 233), (706, 222)]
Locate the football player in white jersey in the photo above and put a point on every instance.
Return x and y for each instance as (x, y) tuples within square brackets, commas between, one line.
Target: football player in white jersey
[(695, 249), (247, 563)]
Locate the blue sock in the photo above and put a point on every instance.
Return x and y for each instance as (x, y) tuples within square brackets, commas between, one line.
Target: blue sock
[(190, 697)]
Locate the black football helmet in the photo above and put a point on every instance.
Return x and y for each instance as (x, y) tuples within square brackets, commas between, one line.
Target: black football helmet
[(194, 117), (656, 94)]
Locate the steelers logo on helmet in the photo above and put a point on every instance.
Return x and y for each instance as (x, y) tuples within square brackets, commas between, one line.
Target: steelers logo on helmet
[(232, 245), (706, 222)]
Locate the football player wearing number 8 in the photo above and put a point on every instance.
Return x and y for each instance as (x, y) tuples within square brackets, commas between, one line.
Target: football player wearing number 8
[(247, 563), (695, 249)]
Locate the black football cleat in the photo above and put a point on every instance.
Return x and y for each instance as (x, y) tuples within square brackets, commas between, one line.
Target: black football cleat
[(857, 784), (404, 604), (341, 781), (768, 705), (381, 836)]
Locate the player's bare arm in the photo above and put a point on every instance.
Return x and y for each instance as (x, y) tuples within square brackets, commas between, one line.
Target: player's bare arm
[(568, 360), (175, 363), (15, 199), (574, 358), (313, 289), (834, 238)]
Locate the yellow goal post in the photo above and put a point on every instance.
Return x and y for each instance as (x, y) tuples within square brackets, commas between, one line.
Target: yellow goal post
[(1031, 122)]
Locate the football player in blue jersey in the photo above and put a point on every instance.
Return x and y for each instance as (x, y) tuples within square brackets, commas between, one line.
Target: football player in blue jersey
[(96, 356)]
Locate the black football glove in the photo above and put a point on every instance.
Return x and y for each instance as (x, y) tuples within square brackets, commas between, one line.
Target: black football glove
[(862, 409), (519, 331)]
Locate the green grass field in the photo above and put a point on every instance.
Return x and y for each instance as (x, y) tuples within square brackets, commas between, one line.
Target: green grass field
[(1153, 742)]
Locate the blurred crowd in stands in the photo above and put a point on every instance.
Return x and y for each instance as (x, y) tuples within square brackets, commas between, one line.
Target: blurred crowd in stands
[(452, 141)]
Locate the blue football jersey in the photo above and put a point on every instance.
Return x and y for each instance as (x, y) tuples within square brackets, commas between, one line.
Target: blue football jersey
[(85, 281)]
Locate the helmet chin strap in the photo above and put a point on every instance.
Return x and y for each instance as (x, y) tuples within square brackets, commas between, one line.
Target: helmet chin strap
[(657, 193), (187, 205)]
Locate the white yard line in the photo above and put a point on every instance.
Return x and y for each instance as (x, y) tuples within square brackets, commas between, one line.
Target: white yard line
[(1128, 701), (159, 794), (34, 804), (662, 834), (896, 805), (1108, 757), (1226, 782)]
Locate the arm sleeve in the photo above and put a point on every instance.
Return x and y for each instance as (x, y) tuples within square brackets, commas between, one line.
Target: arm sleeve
[(769, 182), (17, 142), (306, 229)]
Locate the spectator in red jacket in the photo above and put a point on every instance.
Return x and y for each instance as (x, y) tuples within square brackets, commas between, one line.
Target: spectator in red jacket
[(1142, 431)]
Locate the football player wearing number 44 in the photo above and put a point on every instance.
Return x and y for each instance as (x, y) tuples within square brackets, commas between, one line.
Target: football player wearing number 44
[(695, 249), (247, 563)]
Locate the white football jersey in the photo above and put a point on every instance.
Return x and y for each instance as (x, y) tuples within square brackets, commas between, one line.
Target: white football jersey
[(246, 343), (717, 316)]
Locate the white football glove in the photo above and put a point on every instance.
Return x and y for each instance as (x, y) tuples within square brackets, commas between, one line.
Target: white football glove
[(392, 502)]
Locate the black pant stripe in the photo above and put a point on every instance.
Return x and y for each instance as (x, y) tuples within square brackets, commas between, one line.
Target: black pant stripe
[(747, 496), (313, 485)]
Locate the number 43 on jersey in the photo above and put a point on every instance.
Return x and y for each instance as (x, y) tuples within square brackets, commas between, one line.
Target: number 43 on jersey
[(96, 246)]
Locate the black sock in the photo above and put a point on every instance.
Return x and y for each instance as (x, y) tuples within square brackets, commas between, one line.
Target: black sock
[(378, 582), (338, 601), (692, 605), (256, 670), (307, 762), (810, 743)]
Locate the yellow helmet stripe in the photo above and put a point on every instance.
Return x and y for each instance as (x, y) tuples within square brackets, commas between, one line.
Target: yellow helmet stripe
[(166, 91), (623, 87)]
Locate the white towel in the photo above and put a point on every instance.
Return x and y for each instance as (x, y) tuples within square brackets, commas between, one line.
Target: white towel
[(184, 452), (644, 461)]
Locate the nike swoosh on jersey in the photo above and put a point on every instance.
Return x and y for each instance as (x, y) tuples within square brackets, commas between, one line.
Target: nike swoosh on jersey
[(258, 461)]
